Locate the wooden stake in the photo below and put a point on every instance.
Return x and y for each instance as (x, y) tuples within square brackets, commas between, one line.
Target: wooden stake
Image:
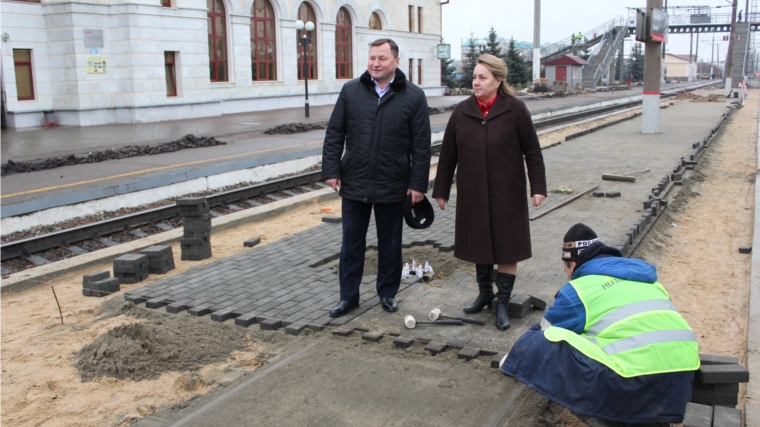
[(565, 202), (57, 303)]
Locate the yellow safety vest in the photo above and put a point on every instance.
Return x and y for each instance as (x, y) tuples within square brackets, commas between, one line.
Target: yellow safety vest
[(631, 327)]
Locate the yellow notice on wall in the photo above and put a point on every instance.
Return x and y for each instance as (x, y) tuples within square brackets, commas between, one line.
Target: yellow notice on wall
[(96, 65)]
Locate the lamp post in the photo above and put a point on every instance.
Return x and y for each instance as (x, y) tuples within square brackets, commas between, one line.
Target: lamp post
[(481, 44), (305, 42)]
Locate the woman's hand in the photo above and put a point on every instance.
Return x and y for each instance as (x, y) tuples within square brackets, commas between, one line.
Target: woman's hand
[(441, 203), (537, 199)]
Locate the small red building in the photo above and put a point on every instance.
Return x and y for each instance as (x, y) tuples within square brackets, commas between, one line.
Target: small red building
[(568, 69)]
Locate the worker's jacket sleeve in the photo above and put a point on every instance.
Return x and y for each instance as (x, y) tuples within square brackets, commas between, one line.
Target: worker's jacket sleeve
[(568, 311)]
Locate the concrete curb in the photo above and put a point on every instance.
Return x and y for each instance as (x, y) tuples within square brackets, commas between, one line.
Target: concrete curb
[(752, 403), (38, 275)]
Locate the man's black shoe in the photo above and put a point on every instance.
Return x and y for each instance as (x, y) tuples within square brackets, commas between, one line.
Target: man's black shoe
[(342, 308), (389, 304)]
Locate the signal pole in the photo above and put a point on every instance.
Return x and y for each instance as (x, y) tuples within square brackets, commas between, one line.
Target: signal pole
[(536, 40), (650, 115)]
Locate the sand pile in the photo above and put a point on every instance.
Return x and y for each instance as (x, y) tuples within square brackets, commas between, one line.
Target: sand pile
[(713, 97), (686, 95), (147, 349)]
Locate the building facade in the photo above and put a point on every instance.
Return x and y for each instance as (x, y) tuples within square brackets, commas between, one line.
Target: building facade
[(134, 61)]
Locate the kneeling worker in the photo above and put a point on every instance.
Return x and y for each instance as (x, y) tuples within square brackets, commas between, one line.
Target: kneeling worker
[(612, 348)]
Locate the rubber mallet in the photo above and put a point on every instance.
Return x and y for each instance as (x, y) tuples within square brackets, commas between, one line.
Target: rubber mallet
[(436, 314), (410, 322)]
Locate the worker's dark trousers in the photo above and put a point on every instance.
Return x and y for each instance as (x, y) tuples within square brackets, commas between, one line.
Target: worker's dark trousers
[(389, 221)]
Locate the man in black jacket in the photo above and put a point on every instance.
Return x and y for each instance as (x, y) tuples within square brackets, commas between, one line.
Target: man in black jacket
[(382, 121)]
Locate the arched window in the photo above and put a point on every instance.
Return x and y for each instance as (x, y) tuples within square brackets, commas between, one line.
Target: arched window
[(263, 46), (344, 62), (306, 14), (217, 41), (374, 22)]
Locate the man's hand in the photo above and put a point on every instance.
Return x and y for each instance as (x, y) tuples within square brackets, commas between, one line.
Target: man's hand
[(416, 196), (537, 199), (334, 183), (441, 203)]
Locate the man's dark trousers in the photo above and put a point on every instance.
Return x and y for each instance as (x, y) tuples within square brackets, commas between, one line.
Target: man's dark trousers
[(389, 220)]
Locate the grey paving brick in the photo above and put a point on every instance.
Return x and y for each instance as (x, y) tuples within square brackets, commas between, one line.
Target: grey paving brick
[(199, 311), (401, 342), (727, 417), (468, 353), (270, 324), (342, 332), (176, 307), (295, 328), (698, 415), (372, 337), (713, 374), (714, 359), (497, 359), (436, 347)]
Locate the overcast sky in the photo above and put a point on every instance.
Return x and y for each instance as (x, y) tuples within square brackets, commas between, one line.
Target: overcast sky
[(559, 19)]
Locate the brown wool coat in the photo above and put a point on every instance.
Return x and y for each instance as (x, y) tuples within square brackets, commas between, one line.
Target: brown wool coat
[(492, 204)]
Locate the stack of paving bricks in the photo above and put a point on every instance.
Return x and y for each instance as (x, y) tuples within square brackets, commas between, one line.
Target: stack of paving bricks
[(196, 216), (99, 284), (160, 259), (131, 268), (717, 381)]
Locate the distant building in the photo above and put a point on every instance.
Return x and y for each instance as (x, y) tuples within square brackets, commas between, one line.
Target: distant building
[(116, 61), (678, 67), (568, 69)]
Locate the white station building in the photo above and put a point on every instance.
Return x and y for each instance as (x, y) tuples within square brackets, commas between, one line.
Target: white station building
[(135, 61)]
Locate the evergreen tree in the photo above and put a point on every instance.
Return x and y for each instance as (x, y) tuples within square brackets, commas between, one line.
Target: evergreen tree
[(636, 64), (493, 46), (516, 65), (469, 63), (448, 73)]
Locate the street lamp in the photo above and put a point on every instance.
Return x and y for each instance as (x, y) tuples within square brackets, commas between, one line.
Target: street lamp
[(481, 44), (305, 42)]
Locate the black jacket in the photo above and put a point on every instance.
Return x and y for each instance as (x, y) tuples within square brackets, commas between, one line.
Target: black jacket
[(386, 140)]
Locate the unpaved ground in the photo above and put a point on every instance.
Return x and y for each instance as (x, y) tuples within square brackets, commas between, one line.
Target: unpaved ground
[(41, 386), (695, 245)]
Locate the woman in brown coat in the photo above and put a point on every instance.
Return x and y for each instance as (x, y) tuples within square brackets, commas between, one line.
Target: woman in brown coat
[(487, 138)]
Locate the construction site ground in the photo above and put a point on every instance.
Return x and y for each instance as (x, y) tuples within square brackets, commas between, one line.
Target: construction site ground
[(113, 363)]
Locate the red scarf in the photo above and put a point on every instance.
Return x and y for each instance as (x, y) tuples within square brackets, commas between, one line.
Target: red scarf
[(485, 108)]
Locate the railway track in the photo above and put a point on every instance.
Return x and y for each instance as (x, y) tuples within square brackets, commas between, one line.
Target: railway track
[(30, 252)]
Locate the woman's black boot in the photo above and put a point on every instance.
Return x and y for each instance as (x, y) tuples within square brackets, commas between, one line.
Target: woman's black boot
[(485, 286), (504, 284)]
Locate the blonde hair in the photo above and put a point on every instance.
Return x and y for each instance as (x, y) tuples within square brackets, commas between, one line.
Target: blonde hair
[(498, 68)]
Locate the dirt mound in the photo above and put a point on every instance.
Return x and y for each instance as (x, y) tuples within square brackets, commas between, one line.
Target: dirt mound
[(714, 97), (147, 349), (289, 128), (186, 142)]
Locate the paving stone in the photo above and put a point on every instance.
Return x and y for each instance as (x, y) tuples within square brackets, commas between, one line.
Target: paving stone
[(519, 306), (745, 249), (497, 359), (372, 337), (222, 315), (270, 324), (436, 347), (698, 415), (175, 307), (537, 303), (598, 194), (136, 299), (468, 353), (246, 320), (708, 397), (401, 342), (612, 194), (727, 417), (332, 219), (712, 359), (252, 242), (94, 277), (199, 311), (155, 303), (77, 250), (342, 332), (713, 374), (295, 328)]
